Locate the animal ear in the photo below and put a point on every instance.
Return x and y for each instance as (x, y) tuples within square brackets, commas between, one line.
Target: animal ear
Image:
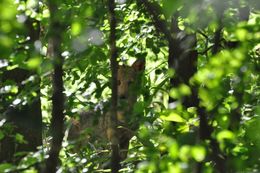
[(139, 64)]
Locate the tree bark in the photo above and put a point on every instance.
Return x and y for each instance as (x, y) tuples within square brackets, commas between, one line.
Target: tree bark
[(115, 158), (54, 52)]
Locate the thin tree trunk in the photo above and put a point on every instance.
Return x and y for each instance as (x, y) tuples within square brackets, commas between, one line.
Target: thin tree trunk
[(54, 52), (115, 158)]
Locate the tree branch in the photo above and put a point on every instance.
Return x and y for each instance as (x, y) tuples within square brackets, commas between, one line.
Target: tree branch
[(155, 11)]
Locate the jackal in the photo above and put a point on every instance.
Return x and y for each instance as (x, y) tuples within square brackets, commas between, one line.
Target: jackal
[(95, 123)]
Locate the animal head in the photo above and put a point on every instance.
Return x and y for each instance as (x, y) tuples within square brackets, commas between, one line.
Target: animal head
[(129, 84), (128, 79)]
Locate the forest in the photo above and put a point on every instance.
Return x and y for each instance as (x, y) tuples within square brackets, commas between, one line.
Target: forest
[(129, 86)]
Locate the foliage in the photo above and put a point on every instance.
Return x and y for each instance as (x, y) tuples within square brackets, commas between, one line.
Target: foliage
[(168, 138)]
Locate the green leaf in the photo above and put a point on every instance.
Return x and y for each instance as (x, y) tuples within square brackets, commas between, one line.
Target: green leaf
[(34, 62), (32, 170), (185, 152), (225, 134), (5, 167), (174, 168), (14, 89), (2, 135), (173, 117), (170, 7), (139, 107), (149, 43), (241, 34), (239, 149), (156, 50), (20, 138), (192, 110), (8, 10), (184, 90), (31, 3), (198, 153), (76, 28), (141, 55), (173, 150)]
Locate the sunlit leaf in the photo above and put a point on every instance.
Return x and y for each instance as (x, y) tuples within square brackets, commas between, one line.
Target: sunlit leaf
[(46, 13), (192, 110), (75, 28), (174, 168), (31, 3), (14, 89), (173, 151), (198, 153), (239, 149), (32, 170), (184, 128), (8, 10), (225, 134), (184, 90), (34, 62), (172, 117), (241, 34), (185, 153)]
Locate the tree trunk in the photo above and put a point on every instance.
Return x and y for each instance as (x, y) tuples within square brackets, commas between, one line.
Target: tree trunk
[(57, 124), (115, 158)]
